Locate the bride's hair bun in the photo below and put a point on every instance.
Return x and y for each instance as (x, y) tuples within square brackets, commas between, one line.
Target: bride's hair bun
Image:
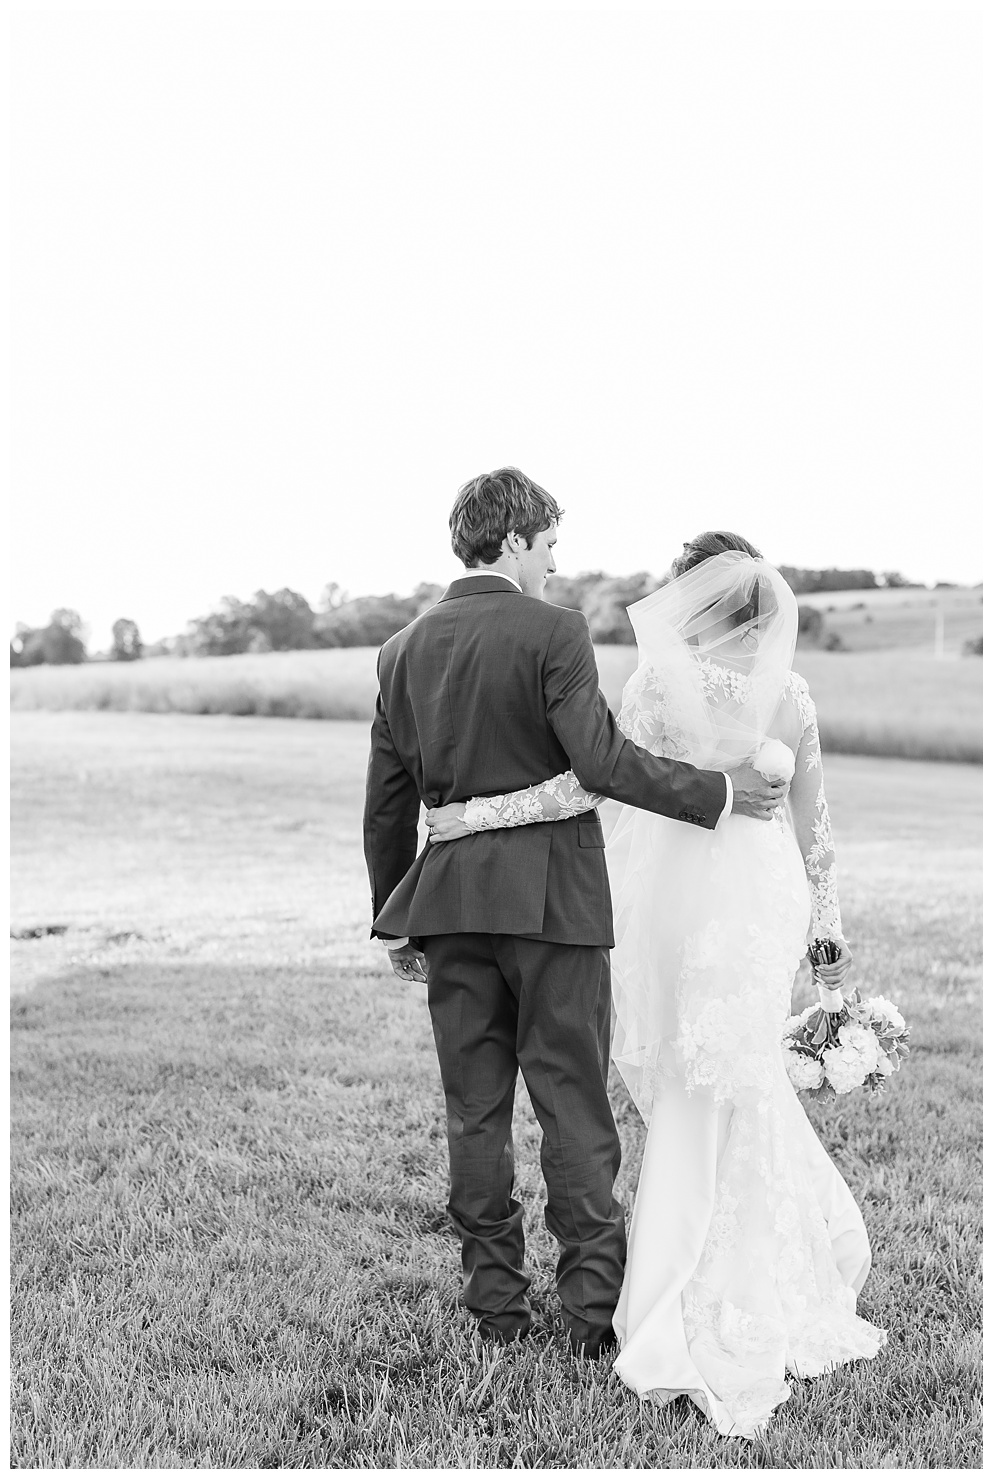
[(705, 546), (718, 542)]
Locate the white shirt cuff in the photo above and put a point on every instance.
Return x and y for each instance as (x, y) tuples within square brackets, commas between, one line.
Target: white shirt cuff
[(729, 802), (397, 944)]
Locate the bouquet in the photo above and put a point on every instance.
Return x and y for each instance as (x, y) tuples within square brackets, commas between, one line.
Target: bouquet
[(840, 1043)]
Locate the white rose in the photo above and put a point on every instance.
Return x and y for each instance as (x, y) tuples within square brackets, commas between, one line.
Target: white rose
[(804, 1072), (861, 1042), (774, 760), (884, 1011), (843, 1072)]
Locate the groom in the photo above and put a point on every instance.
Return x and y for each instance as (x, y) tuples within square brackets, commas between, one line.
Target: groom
[(489, 691)]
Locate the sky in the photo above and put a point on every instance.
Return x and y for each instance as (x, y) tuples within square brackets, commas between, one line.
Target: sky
[(283, 280)]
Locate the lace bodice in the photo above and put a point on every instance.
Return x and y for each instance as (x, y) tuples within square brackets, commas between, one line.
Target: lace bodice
[(647, 718)]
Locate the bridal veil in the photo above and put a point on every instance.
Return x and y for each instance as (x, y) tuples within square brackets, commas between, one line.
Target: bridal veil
[(715, 647)]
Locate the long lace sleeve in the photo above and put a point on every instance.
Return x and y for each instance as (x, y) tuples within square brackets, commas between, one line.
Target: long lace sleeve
[(811, 821), (645, 718), (551, 801)]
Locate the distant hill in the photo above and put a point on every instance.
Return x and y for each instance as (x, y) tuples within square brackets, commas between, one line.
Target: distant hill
[(907, 619)]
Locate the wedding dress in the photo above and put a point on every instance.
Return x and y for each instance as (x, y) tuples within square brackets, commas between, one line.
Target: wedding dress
[(746, 1248)]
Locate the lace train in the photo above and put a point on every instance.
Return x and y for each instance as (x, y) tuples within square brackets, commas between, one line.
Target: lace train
[(746, 1254)]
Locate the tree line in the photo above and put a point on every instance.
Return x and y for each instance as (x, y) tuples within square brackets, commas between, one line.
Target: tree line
[(284, 621)]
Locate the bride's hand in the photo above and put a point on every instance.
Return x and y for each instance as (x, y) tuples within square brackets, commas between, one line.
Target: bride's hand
[(832, 976), (445, 823)]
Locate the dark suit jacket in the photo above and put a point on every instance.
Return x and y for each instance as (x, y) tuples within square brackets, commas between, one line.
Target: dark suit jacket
[(488, 692)]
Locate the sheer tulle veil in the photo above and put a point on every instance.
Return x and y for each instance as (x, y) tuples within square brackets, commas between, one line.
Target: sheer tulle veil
[(715, 646), (738, 612)]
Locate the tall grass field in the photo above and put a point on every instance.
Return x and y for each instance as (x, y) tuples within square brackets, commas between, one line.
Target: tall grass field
[(339, 683), (898, 703), (229, 1246)]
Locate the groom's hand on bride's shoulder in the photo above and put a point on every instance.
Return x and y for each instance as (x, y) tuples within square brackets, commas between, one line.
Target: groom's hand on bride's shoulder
[(409, 963), (754, 796)]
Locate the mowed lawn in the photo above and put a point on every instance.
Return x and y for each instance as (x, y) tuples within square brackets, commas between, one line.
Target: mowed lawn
[(229, 1242)]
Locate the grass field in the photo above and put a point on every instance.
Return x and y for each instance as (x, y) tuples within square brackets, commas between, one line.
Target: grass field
[(339, 683), (904, 618), (892, 703), (229, 1244)]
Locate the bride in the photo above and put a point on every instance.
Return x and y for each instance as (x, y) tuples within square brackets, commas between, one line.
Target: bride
[(746, 1249)]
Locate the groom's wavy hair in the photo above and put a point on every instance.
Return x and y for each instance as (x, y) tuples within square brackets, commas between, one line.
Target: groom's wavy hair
[(704, 547), (492, 506)]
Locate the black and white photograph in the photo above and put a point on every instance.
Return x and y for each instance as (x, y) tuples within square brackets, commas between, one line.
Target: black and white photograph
[(496, 647)]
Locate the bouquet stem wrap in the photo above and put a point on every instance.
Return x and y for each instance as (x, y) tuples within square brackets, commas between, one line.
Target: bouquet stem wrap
[(832, 999)]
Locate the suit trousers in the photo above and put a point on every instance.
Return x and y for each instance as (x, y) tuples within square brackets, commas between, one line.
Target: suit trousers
[(499, 1002)]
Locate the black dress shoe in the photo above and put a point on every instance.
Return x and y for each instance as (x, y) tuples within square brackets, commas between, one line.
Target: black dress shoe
[(594, 1346), (502, 1336)]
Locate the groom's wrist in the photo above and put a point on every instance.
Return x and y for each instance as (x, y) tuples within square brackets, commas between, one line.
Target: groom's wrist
[(397, 944), (730, 798)]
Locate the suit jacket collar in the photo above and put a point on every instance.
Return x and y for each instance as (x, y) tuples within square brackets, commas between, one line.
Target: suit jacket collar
[(480, 585)]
